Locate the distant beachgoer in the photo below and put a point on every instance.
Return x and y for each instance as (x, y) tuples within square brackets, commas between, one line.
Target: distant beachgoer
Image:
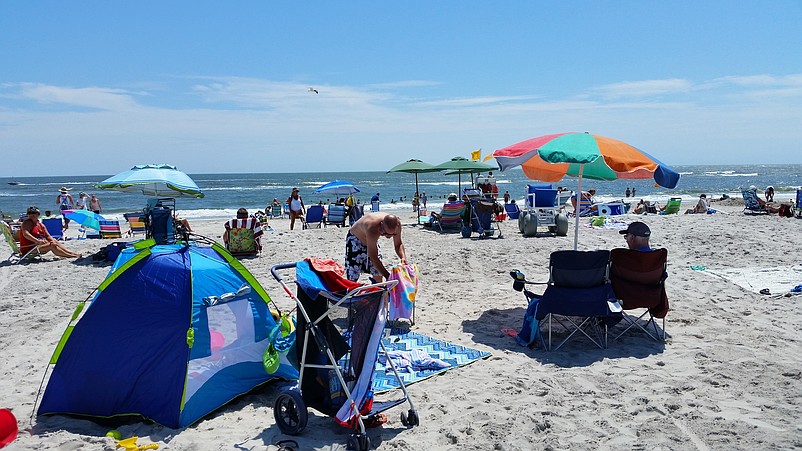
[(94, 204), (633, 191), (34, 234), (297, 207), (362, 249), (80, 203), (769, 193), (701, 206), (375, 198), (586, 195), (628, 192), (65, 202), (423, 199), (506, 197)]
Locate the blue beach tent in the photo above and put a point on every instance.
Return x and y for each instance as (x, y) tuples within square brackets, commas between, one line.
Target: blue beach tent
[(173, 333)]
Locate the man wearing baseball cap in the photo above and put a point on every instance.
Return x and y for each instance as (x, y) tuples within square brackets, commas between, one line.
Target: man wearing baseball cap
[(637, 236)]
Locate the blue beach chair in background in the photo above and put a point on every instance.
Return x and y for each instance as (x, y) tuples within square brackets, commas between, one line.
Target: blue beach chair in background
[(55, 227)]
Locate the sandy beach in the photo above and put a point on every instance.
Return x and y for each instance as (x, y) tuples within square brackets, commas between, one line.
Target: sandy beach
[(728, 377)]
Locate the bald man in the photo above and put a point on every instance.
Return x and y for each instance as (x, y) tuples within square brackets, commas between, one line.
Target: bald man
[(362, 249)]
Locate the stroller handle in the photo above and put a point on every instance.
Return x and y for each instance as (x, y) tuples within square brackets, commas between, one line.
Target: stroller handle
[(276, 268)]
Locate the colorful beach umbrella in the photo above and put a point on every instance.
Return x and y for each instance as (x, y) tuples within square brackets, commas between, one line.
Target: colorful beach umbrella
[(462, 165), (337, 187), (155, 180), (85, 218), (549, 158)]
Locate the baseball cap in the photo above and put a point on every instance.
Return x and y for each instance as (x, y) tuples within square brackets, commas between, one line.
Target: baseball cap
[(637, 228)]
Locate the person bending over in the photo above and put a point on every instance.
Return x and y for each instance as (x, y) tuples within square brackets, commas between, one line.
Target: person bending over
[(34, 234), (362, 249)]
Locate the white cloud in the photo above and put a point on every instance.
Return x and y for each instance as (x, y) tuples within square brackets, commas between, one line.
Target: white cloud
[(89, 97), (644, 88), (249, 125)]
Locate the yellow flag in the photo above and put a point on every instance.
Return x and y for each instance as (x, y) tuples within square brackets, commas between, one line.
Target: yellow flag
[(476, 154), (489, 157)]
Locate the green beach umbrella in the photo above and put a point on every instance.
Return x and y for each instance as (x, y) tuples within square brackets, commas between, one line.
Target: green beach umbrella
[(416, 167), (462, 165)]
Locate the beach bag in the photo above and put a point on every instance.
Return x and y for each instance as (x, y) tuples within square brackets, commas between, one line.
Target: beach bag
[(786, 211), (530, 329), (402, 296)]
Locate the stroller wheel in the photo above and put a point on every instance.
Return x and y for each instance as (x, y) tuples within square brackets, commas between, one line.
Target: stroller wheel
[(290, 413), (359, 442), (410, 418)]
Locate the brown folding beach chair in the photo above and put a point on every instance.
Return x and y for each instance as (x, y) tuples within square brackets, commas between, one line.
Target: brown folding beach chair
[(638, 280)]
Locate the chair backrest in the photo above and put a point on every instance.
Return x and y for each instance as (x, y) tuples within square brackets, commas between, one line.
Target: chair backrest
[(275, 211), (54, 226), (798, 203), (374, 205), (314, 214), (672, 206), (513, 212), (159, 225), (110, 229), (452, 212), (12, 243), (336, 214), (241, 241), (579, 269), (750, 200), (638, 279), (541, 198)]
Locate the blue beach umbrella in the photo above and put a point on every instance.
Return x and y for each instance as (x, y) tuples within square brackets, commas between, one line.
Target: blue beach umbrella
[(85, 218), (338, 187), (155, 180)]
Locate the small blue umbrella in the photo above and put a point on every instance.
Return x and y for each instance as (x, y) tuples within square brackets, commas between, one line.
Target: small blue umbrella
[(156, 180), (338, 187), (85, 218)]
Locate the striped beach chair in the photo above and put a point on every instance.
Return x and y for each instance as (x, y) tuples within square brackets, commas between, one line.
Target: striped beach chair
[(450, 217), (110, 229)]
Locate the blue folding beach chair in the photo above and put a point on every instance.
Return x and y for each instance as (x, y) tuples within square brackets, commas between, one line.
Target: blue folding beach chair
[(55, 227), (578, 297)]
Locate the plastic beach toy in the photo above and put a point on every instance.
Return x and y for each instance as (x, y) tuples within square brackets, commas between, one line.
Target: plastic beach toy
[(8, 427), (130, 444)]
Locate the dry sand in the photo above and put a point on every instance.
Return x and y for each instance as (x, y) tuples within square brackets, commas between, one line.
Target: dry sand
[(729, 376)]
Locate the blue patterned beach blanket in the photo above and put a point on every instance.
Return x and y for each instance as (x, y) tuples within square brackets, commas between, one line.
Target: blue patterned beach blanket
[(452, 354)]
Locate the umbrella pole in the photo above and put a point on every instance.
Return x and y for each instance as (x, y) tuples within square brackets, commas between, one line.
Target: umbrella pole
[(578, 206)]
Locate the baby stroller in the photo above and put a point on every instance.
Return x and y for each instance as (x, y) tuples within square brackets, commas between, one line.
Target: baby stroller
[(339, 329)]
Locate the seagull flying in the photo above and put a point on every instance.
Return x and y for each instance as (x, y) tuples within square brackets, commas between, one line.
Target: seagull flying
[(311, 89)]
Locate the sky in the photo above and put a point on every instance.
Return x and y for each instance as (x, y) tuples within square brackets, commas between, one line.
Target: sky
[(94, 87)]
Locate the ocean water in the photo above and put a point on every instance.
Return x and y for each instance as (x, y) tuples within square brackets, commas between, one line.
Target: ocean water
[(225, 193)]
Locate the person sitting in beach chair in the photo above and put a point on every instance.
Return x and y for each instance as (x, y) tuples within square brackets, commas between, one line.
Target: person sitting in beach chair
[(586, 207), (702, 206), (450, 216), (754, 204), (34, 238), (243, 234)]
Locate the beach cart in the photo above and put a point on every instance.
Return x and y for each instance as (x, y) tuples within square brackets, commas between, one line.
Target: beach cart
[(339, 332)]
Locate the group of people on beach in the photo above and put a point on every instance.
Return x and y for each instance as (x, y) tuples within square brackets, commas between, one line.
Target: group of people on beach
[(65, 201)]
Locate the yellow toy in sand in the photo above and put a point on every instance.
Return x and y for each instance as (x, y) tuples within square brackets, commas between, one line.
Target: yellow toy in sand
[(130, 444)]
